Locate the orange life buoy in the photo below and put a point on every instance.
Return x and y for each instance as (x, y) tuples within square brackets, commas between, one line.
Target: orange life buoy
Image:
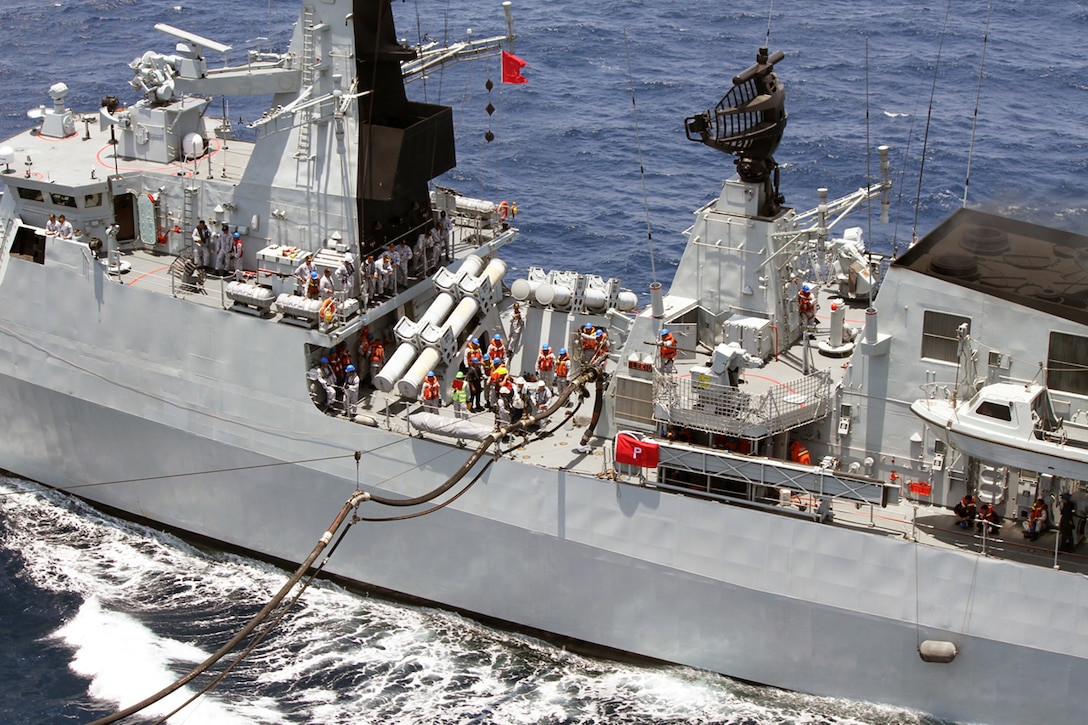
[(504, 210), (328, 309)]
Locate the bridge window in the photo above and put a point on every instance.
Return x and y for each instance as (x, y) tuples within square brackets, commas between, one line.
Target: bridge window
[(940, 340), (63, 200), (30, 194), (1067, 363)]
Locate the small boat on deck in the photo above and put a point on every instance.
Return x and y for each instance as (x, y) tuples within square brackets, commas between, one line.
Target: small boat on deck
[(1011, 424)]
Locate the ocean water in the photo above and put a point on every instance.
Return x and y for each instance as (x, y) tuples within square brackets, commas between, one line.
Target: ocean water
[(94, 611)]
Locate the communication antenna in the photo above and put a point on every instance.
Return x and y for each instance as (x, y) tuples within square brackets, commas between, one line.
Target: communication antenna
[(641, 168), (978, 94)]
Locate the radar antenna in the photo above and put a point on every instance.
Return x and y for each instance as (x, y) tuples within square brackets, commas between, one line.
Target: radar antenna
[(748, 123)]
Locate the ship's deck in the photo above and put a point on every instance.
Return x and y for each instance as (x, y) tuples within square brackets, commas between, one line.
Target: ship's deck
[(910, 520)]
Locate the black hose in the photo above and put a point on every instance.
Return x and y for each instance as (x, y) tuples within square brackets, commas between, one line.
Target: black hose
[(356, 498), (588, 374)]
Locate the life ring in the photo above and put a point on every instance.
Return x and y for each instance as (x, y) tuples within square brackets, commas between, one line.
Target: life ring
[(327, 310), (504, 210)]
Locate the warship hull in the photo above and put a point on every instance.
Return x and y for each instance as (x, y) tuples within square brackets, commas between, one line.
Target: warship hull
[(763, 597)]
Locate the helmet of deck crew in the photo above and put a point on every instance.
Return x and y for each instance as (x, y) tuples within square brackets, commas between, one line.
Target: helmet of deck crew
[(475, 341), (545, 347), (600, 333), (430, 374), (349, 369), (325, 360), (664, 332), (588, 326), (562, 351), (541, 384), (497, 360), (806, 288), (497, 337), (487, 358), (459, 375), (313, 275), (237, 235)]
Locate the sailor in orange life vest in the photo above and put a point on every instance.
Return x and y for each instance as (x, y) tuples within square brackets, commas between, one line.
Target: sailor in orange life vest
[(562, 370), (800, 454), (589, 343), (377, 358), (496, 349), (668, 353), (545, 365), (806, 305), (965, 511), (1038, 520), (431, 393)]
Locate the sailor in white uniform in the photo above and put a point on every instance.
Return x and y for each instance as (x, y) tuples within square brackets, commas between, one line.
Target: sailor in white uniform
[(351, 390), (202, 238), (223, 242)]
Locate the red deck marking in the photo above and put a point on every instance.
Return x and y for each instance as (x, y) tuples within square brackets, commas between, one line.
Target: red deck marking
[(211, 142), (147, 274)]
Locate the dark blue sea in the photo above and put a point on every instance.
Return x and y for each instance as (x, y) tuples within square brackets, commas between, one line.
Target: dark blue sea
[(94, 611)]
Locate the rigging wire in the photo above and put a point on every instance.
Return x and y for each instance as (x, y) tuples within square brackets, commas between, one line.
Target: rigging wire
[(978, 95), (641, 167), (770, 15), (168, 476), (868, 176), (929, 116)]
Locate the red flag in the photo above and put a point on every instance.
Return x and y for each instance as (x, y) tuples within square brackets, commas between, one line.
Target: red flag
[(511, 68), (635, 452)]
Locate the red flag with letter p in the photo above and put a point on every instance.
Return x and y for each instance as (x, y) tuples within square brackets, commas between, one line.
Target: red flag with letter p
[(511, 68), (635, 452)]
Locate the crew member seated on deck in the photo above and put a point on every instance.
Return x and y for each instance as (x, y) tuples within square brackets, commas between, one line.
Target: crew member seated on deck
[(965, 511), (987, 517), (1038, 520)]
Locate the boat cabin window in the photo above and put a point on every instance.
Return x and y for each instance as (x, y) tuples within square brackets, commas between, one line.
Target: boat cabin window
[(1067, 363), (92, 200), (30, 194), (63, 200), (990, 409), (940, 337)]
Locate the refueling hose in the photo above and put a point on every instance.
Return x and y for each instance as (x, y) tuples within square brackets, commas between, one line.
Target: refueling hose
[(356, 498), (591, 373), (588, 374)]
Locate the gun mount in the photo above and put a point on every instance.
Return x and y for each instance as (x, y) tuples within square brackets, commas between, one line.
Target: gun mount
[(748, 123)]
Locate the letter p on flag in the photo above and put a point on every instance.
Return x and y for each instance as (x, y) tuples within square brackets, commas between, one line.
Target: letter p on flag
[(511, 68), (635, 452)]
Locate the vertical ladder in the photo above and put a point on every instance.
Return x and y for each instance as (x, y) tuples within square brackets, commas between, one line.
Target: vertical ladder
[(308, 61)]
